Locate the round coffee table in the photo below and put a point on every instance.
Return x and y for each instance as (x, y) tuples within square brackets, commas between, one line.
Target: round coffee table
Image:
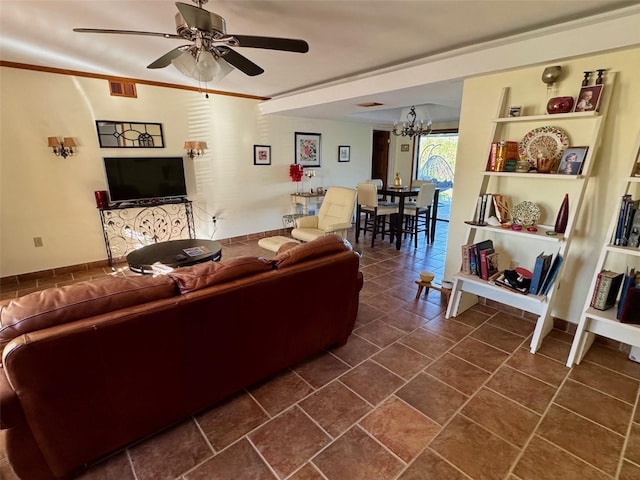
[(173, 254)]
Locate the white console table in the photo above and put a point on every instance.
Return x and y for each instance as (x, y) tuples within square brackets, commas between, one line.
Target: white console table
[(310, 202)]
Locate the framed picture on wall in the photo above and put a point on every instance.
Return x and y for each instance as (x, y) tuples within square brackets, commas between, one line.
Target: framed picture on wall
[(262, 155), (344, 153), (307, 149), (404, 147)]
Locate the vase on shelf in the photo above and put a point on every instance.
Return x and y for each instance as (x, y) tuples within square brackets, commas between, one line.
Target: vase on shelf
[(563, 215), (559, 105), (397, 181)]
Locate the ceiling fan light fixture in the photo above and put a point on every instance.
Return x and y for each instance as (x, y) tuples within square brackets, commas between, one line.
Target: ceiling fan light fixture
[(185, 63), (206, 66)]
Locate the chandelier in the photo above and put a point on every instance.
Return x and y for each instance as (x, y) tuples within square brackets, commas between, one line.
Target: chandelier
[(411, 129)]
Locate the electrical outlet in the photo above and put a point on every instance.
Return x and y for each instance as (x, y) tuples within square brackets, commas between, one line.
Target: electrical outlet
[(37, 242)]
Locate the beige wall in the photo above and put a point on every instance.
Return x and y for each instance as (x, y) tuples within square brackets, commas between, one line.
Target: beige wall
[(51, 197), (479, 107)]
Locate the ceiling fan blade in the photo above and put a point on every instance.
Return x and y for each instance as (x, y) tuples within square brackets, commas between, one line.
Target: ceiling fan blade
[(195, 17), (273, 43), (241, 62), (165, 60), (127, 32)]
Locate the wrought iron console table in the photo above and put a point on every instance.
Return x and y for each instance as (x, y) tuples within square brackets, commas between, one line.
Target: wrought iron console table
[(127, 227)]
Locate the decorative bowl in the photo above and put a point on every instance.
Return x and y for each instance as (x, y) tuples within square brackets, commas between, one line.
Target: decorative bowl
[(559, 105)]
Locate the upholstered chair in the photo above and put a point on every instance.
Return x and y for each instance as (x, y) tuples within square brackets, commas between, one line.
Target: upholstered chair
[(378, 216), (335, 216)]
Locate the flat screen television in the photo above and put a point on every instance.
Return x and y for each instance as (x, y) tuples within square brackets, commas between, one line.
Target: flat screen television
[(145, 178)]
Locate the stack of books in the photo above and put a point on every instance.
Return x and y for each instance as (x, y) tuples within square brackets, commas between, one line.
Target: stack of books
[(480, 259), (491, 204), (628, 228)]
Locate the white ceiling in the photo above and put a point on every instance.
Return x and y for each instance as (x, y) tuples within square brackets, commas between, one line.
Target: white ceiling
[(348, 39)]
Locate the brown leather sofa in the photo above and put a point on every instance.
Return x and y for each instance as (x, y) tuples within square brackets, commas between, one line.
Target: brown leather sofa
[(92, 367)]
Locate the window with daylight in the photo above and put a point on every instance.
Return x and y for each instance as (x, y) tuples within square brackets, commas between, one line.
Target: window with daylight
[(436, 161)]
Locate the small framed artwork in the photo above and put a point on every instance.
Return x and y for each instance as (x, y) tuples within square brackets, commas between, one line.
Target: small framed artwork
[(344, 153), (262, 154), (515, 110), (589, 98), (572, 161), (307, 149), (404, 147)]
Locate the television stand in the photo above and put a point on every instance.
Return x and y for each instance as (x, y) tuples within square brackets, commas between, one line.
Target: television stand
[(127, 226)]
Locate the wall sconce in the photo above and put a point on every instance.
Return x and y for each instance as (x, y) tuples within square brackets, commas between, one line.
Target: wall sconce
[(194, 148), (62, 148)]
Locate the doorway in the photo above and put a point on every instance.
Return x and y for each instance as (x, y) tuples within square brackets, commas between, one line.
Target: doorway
[(380, 155)]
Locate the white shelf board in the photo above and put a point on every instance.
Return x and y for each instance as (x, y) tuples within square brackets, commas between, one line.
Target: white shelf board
[(605, 323), (634, 179), (524, 233), (536, 176), (624, 250), (537, 118)]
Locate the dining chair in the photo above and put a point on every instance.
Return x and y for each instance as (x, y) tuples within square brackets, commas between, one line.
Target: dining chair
[(417, 216), (378, 216)]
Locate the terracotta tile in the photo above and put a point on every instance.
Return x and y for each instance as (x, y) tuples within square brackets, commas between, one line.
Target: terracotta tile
[(542, 460), (457, 373), (585, 439), (367, 313), (596, 406), (633, 444), (288, 441), (379, 333), (518, 325), (402, 360), (355, 350), (522, 388), (480, 354), (372, 382), (383, 301), (629, 471), (605, 380), (505, 418), (561, 336), (486, 309), (405, 293), (432, 397), (427, 343), (400, 428), (472, 317), (226, 423), (280, 392), (426, 309), (538, 366), (448, 328), (238, 461), (170, 453), (116, 467), (498, 338), (308, 472), (474, 450), (356, 456), (430, 466), (335, 408), (555, 349), (404, 320), (321, 370), (616, 361), (371, 288)]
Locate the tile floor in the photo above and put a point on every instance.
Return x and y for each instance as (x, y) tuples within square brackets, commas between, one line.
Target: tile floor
[(411, 396)]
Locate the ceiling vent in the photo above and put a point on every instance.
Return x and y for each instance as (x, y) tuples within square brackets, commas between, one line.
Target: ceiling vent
[(122, 89), (369, 104)]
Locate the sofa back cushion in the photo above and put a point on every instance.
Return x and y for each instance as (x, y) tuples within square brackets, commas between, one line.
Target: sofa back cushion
[(320, 247), (208, 274), (55, 306)]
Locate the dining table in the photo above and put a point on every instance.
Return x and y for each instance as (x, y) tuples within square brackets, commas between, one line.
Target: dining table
[(409, 192)]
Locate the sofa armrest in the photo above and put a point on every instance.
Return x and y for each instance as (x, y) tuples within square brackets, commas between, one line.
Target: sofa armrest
[(10, 409), (310, 221), (337, 227)]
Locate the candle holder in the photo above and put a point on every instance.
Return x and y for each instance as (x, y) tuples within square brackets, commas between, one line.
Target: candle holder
[(600, 79), (585, 80)]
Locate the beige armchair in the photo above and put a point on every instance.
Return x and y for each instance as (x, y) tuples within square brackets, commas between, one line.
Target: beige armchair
[(334, 216)]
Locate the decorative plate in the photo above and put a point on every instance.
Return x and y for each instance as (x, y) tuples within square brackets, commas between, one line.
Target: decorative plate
[(525, 213), (545, 142)]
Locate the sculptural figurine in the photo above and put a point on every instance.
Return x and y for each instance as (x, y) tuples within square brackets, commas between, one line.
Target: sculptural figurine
[(397, 181)]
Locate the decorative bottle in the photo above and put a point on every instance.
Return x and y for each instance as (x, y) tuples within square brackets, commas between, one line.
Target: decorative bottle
[(563, 215), (397, 181)]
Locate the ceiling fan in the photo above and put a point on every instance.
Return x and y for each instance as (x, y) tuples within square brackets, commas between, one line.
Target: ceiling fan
[(210, 44)]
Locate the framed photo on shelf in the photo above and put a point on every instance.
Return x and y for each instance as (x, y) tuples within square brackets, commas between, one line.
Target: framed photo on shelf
[(572, 161), (588, 98), (307, 149), (344, 153), (262, 154)]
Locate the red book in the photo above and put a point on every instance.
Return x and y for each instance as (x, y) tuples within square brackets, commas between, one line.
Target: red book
[(484, 266)]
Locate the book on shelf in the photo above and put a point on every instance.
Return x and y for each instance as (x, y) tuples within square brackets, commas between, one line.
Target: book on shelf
[(501, 207), (634, 231), (540, 269), (551, 275), (628, 282), (478, 247), (466, 263), (626, 218), (484, 267), (606, 289), (492, 264), (631, 308), (499, 153)]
